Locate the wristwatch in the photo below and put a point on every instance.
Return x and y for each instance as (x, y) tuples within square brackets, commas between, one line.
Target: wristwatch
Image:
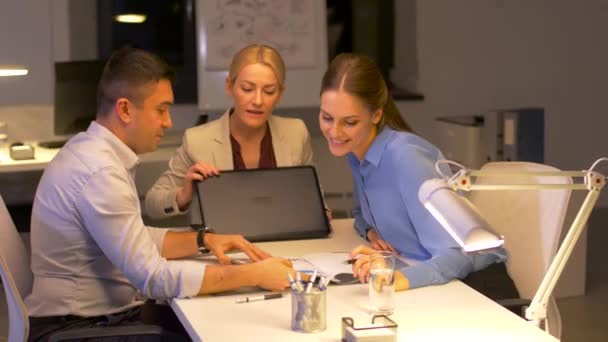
[(200, 239)]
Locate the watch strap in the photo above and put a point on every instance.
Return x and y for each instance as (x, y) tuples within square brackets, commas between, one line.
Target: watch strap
[(200, 240)]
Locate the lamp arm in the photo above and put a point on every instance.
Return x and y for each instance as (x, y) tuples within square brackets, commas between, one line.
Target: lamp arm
[(593, 183), (537, 311)]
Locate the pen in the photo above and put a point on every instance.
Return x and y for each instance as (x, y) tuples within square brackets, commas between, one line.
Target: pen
[(325, 283), (292, 283), (311, 281), (321, 281), (299, 282), (258, 298)]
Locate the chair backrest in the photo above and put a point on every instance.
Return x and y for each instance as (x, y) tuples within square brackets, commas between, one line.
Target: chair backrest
[(531, 222), (16, 275)]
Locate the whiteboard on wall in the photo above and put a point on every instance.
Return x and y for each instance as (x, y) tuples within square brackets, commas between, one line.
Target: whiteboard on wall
[(296, 28)]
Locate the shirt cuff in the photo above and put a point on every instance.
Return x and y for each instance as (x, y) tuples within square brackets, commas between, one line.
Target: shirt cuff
[(192, 273)]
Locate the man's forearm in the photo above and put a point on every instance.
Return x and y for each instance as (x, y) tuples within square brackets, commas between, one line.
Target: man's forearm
[(219, 278), (179, 245)]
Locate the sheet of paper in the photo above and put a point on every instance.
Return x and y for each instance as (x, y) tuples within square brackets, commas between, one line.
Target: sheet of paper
[(326, 263), (302, 265), (329, 263)]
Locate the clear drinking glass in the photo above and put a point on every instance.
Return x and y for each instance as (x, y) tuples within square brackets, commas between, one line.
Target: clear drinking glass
[(382, 282)]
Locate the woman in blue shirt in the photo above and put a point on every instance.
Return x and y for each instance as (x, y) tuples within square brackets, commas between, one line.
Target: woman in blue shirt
[(389, 164)]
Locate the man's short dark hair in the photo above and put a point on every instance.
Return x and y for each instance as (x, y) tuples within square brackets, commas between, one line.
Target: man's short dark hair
[(126, 74)]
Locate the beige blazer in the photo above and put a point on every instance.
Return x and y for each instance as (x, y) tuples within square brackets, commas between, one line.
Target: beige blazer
[(210, 143)]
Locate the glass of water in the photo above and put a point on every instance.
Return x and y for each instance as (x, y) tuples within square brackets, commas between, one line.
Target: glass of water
[(382, 282)]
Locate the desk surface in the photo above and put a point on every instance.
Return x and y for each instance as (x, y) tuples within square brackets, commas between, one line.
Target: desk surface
[(452, 311), (43, 157), (19, 178)]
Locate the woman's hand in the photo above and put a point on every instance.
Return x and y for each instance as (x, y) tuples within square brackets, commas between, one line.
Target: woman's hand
[(377, 243), (361, 268), (197, 172)]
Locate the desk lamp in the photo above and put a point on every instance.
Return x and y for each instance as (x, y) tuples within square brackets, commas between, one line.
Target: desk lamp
[(473, 233)]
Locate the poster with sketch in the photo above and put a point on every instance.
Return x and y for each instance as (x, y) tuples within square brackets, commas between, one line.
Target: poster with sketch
[(287, 25)]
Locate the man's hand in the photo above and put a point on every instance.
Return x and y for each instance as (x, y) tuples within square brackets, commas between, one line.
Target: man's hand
[(377, 243), (218, 244), (197, 172), (271, 274), (328, 214)]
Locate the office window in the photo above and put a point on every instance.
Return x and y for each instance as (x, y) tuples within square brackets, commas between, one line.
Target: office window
[(369, 27), (168, 30)]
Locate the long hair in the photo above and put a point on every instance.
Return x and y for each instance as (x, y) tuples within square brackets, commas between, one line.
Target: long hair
[(359, 76)]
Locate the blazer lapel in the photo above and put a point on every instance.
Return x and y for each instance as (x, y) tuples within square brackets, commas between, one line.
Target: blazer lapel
[(281, 150), (222, 149)]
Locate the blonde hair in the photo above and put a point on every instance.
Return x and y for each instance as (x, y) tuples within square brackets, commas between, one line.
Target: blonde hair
[(359, 76), (258, 53)]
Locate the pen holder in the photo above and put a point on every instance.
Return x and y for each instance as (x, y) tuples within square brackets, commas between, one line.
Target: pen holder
[(308, 311)]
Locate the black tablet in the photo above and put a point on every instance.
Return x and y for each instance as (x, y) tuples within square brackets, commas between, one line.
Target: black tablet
[(264, 204)]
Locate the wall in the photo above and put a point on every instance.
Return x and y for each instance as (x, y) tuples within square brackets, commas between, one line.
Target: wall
[(25, 34), (37, 35), (477, 55)]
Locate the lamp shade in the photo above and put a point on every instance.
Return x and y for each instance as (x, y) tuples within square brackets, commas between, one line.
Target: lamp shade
[(458, 216)]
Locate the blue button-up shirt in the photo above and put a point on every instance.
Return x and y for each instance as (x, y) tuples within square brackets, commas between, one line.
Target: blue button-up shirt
[(386, 198)]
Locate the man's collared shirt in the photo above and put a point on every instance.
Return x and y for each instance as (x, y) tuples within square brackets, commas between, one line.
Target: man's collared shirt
[(91, 251)]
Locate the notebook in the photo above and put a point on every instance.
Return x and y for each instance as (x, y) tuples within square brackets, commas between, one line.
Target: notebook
[(264, 204)]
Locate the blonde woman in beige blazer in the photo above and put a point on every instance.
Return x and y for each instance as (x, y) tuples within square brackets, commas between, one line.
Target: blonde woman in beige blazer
[(255, 82)]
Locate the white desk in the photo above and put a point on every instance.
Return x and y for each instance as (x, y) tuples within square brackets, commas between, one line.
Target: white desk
[(19, 178), (452, 311), (43, 157)]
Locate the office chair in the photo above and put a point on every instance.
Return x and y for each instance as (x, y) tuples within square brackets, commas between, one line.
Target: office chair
[(17, 277), (531, 222)]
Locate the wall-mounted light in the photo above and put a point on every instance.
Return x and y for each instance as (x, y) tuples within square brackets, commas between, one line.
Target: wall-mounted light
[(130, 18), (12, 70)]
